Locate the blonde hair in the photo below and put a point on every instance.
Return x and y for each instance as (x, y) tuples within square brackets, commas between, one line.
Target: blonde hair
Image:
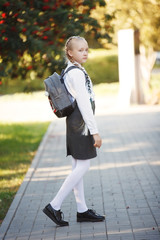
[(68, 46)]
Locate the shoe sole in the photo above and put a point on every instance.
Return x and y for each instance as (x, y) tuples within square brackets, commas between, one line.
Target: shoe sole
[(52, 218), (90, 220)]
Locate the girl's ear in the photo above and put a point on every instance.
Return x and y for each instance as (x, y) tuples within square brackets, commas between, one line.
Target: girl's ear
[(70, 53)]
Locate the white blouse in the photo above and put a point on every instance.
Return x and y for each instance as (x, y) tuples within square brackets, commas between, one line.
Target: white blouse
[(76, 85)]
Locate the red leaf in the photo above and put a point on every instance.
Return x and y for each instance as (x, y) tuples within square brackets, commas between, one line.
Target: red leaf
[(6, 4), (35, 32), (4, 15), (24, 29), (45, 7), (68, 3), (54, 8), (16, 14), (45, 37), (46, 29), (50, 43), (29, 67)]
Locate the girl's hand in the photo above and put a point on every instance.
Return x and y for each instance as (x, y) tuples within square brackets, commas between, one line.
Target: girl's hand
[(97, 140)]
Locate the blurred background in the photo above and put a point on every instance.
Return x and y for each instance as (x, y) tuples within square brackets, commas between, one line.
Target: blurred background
[(32, 39)]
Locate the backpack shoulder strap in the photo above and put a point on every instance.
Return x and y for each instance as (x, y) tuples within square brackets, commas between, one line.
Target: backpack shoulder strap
[(63, 73), (70, 68), (73, 67)]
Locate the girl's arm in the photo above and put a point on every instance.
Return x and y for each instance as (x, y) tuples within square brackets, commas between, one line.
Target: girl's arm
[(79, 92)]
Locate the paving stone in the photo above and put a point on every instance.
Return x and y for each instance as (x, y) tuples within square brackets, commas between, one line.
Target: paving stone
[(114, 237)]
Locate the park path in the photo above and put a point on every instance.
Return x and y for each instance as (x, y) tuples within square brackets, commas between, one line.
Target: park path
[(123, 182)]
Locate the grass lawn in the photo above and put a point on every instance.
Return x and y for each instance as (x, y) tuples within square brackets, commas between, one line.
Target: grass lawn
[(153, 93), (102, 66), (18, 145)]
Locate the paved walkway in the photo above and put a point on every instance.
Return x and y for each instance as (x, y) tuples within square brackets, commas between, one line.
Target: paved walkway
[(123, 183)]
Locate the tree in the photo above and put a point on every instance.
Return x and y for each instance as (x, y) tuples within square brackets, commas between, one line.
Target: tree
[(33, 33), (143, 15)]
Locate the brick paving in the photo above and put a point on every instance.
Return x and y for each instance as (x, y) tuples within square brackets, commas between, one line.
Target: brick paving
[(123, 183)]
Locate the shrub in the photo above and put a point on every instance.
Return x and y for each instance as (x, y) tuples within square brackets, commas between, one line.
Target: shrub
[(103, 69)]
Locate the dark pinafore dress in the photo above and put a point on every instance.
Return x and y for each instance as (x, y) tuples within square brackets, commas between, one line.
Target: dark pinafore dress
[(79, 140)]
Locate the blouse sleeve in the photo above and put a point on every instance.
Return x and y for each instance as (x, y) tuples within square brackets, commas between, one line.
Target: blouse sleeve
[(79, 91)]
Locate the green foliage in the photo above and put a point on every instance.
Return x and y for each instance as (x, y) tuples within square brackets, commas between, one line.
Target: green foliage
[(155, 82), (22, 86), (103, 68), (139, 14), (106, 89), (152, 92), (33, 33), (18, 144), (6, 198)]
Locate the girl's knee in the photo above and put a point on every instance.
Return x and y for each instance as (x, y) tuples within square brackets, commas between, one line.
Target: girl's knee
[(84, 165)]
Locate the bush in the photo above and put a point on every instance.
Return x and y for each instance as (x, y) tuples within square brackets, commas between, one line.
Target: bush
[(33, 33), (102, 66), (103, 69)]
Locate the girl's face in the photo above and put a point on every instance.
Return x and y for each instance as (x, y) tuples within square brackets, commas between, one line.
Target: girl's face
[(79, 52)]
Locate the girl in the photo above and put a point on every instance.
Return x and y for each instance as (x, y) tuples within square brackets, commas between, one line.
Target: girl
[(82, 135)]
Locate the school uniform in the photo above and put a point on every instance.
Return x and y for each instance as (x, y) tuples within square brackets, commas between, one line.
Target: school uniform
[(80, 125)]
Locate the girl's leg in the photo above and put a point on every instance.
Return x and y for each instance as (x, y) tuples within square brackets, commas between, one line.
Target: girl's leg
[(71, 181), (81, 166), (79, 192)]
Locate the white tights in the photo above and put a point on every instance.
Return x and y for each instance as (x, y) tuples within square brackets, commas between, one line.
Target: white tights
[(73, 181)]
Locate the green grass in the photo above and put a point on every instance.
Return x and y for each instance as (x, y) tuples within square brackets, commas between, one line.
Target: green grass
[(106, 89), (154, 84), (157, 65), (18, 145), (153, 93), (155, 81), (102, 66), (18, 86)]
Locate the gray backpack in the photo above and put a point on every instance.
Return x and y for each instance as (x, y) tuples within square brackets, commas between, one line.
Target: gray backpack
[(60, 99)]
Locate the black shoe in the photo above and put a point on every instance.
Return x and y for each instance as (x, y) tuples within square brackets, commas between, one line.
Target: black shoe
[(89, 216), (54, 215)]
